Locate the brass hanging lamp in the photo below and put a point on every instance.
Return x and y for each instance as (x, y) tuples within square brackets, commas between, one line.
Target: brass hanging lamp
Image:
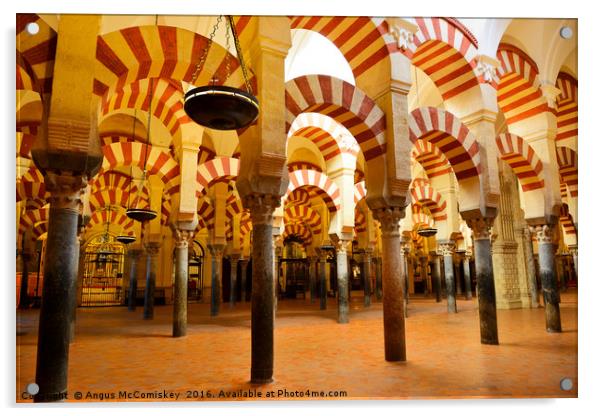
[(221, 107), (142, 214)]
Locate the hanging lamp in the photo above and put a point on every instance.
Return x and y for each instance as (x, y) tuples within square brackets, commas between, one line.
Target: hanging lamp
[(137, 213), (105, 252), (427, 231), (125, 239), (221, 107)]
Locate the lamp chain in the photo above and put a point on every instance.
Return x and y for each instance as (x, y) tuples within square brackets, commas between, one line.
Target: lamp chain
[(203, 58), (239, 53)]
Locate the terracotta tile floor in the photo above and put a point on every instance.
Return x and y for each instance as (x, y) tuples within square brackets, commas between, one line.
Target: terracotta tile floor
[(116, 350)]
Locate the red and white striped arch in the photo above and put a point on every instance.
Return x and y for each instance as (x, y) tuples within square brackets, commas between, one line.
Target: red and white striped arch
[(31, 217), (343, 102), (167, 101), (158, 162), (419, 217), (359, 192), (358, 38), (117, 197), (450, 136), (444, 43), (324, 132), (523, 160), (566, 116), (221, 168), (518, 93), (327, 189), (233, 206), (567, 167), (113, 217), (110, 179), (305, 214), (35, 54), (431, 158), (31, 186), (40, 229), (361, 224), (297, 197), (206, 213), (134, 53), (429, 197), (299, 165), (298, 230)]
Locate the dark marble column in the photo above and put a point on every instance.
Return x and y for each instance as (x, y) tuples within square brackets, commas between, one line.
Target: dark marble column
[(217, 253), (134, 254), (58, 294), (379, 277), (341, 247), (77, 283), (233, 275), (435, 264), (424, 274), (547, 272), (467, 279), (457, 264), (366, 272), (243, 279), (312, 278), (322, 281), (481, 228), (531, 273), (573, 250), (23, 294), (152, 252), (180, 301), (447, 250), (261, 207), (405, 252), (393, 317)]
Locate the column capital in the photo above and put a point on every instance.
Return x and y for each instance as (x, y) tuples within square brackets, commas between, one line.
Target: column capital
[(544, 232), (261, 207), (481, 227), (152, 248), (322, 255), (182, 237), (312, 259), (447, 248), (216, 250), (573, 249), (66, 189), (234, 257), (134, 253), (388, 218)]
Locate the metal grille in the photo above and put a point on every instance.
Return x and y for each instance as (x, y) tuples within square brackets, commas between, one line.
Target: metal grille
[(102, 280)]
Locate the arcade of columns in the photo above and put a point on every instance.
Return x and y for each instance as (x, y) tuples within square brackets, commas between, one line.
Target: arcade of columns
[(442, 128)]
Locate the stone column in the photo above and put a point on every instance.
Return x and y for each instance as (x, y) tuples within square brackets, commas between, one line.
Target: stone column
[(134, 254), (312, 278), (24, 296), (341, 247), (262, 208), (481, 228), (534, 293), (58, 294), (233, 275), (447, 249), (457, 263), (152, 252), (394, 322), (547, 273), (435, 263), (366, 273), (467, 279), (243, 279), (322, 275), (217, 252), (379, 277), (573, 251), (405, 276), (180, 301), (78, 287)]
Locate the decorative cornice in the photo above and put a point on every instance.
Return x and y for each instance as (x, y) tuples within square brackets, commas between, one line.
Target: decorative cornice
[(182, 237), (403, 32), (66, 189), (447, 248), (544, 233), (389, 220), (481, 227), (261, 207), (67, 134)]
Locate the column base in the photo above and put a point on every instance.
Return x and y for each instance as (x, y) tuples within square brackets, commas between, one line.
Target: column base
[(553, 318), (343, 320), (261, 376)]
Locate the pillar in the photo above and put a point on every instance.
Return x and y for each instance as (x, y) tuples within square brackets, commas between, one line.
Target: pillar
[(312, 277), (573, 250), (404, 277), (233, 275), (58, 294), (366, 273), (481, 229), (322, 275), (341, 247), (393, 318), (447, 249), (435, 264), (379, 278), (467, 279), (152, 252), (180, 301), (243, 279), (23, 296), (261, 207), (77, 282), (134, 254), (547, 273), (532, 275), (217, 253), (423, 274), (457, 275)]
